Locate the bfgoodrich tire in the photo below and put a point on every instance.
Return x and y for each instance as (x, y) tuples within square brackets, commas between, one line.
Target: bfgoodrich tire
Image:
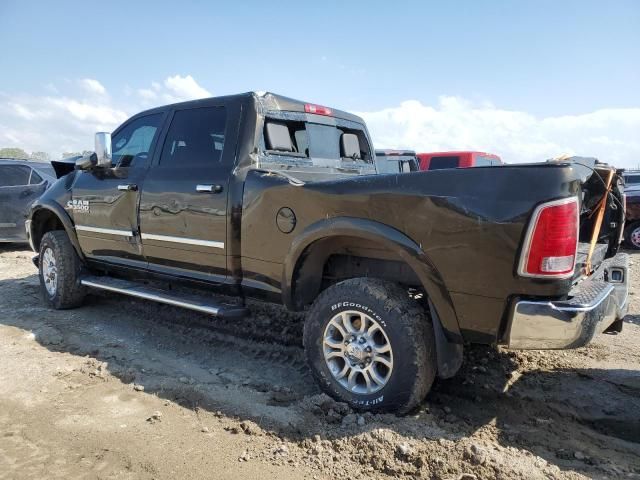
[(370, 345), (59, 268)]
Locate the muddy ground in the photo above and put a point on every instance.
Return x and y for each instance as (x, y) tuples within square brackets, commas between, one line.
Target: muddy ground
[(123, 389)]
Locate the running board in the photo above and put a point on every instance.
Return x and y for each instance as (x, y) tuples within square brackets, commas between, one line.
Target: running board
[(199, 303)]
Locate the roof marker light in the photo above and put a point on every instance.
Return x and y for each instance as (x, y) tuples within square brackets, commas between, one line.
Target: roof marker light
[(317, 109)]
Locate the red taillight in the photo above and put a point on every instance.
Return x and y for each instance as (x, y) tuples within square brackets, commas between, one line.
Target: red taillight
[(317, 109), (551, 241)]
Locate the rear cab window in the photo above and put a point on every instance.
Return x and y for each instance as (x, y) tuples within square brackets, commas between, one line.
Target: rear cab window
[(442, 162), (311, 147)]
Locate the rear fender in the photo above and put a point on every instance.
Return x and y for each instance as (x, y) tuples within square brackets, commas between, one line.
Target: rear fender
[(408, 250)]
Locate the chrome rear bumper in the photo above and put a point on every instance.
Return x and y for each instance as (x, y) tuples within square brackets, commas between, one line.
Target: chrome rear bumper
[(593, 305)]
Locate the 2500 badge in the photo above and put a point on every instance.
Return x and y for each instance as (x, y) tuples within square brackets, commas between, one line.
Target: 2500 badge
[(78, 205)]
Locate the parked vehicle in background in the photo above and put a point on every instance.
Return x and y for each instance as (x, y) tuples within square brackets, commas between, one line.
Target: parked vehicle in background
[(396, 161), (631, 180), (259, 195), (21, 182), (632, 226), (441, 160)]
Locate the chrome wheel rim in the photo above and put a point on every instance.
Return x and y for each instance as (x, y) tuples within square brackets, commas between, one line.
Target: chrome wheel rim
[(635, 237), (49, 272), (357, 352)]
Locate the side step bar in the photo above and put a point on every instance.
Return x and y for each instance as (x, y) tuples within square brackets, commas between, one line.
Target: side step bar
[(200, 303)]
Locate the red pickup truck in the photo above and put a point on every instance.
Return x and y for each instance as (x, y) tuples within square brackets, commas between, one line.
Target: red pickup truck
[(440, 160)]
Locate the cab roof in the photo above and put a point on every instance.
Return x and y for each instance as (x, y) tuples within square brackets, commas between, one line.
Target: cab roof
[(458, 152), (266, 101)]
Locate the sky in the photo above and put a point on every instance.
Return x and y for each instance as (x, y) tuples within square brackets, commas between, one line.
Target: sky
[(528, 80)]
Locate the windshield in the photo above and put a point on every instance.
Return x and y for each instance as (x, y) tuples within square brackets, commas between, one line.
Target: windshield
[(312, 148)]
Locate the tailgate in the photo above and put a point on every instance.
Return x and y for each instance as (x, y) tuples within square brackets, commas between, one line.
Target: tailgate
[(601, 216)]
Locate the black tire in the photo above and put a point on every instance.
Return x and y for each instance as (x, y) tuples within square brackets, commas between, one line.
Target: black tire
[(409, 332), (68, 292), (629, 235)]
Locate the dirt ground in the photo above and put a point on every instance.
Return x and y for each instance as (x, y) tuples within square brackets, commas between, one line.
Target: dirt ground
[(123, 389)]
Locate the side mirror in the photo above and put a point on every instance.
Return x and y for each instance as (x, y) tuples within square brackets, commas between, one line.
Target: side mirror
[(86, 162), (103, 149)]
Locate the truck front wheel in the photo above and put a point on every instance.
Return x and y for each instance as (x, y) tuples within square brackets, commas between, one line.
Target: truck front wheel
[(370, 345), (59, 268)]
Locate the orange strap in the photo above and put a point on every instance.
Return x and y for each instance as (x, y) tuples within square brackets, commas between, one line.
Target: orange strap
[(598, 223)]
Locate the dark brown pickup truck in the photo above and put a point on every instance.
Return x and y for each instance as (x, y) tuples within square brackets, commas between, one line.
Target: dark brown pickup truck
[(264, 196)]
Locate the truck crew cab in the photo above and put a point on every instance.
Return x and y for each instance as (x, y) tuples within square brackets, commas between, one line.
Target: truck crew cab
[(259, 195)]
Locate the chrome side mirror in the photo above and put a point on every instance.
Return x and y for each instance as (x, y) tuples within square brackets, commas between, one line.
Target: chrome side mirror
[(103, 149)]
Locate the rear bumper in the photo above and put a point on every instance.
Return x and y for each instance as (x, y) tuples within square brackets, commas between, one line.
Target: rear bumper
[(593, 305)]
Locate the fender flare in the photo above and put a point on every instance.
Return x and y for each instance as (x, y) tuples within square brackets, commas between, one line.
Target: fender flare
[(396, 241), (64, 218)]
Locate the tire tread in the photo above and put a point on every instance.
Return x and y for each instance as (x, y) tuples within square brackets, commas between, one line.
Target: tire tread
[(70, 293), (405, 311)]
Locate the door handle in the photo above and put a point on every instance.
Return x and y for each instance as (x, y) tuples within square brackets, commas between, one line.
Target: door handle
[(129, 187), (209, 188)]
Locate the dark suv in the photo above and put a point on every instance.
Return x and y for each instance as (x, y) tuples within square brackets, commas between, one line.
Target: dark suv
[(21, 182)]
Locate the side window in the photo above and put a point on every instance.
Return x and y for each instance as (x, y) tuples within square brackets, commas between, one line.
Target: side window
[(195, 137), (14, 175), (483, 162), (35, 178), (131, 145)]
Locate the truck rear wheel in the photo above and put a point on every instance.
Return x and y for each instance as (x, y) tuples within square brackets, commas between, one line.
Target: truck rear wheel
[(59, 268), (370, 345)]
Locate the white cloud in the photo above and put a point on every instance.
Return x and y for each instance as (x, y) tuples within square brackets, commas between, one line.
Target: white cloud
[(147, 94), (93, 86), (457, 124), (172, 90), (184, 88), (55, 124), (65, 119)]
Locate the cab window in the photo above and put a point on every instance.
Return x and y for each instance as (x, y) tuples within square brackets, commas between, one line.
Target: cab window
[(131, 145), (196, 137)]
